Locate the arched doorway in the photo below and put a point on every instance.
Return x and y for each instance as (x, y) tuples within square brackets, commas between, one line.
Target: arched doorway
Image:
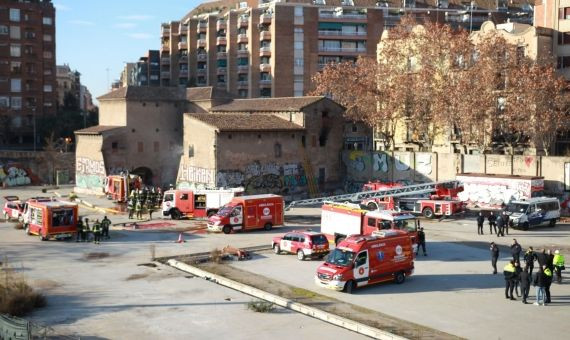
[(145, 173)]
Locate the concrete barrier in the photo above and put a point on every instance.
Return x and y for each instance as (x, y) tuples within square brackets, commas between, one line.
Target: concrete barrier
[(286, 303)]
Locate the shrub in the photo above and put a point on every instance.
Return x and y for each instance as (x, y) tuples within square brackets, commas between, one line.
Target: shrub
[(216, 255), (17, 297), (260, 306)]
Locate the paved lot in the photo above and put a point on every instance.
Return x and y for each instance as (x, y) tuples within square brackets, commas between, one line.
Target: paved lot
[(114, 297)]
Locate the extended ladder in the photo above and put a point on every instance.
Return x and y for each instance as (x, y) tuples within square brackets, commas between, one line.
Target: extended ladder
[(359, 196)]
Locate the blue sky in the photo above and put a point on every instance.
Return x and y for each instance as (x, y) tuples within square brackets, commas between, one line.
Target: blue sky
[(95, 35)]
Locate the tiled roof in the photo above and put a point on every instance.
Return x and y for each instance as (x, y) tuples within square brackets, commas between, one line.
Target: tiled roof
[(206, 93), (146, 93), (284, 104), (96, 130), (245, 122)]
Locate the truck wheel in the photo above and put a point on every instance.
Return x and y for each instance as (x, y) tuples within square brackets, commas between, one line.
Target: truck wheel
[(267, 226), (211, 213), (349, 287), (227, 229), (525, 226), (428, 213), (175, 214), (552, 223), (300, 255), (372, 206), (400, 277), (276, 249)]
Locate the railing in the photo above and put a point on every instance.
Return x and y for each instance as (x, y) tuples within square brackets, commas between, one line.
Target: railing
[(265, 35), (165, 61), (165, 74), (342, 16), (221, 40), (341, 33), (265, 67), (242, 38), (342, 49), (182, 45), (243, 68), (222, 55), (183, 73), (265, 49), (243, 22), (222, 70), (243, 82), (265, 81), (202, 57)]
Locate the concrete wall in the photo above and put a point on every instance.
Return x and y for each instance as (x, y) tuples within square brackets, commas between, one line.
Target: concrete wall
[(89, 164), (200, 169), (113, 112), (28, 167)]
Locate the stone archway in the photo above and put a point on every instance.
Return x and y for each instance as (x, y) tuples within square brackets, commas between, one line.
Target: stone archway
[(145, 173)]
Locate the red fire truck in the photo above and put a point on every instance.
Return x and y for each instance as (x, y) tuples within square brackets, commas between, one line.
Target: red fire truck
[(51, 219), (340, 220), (196, 202), (118, 187), (247, 213), (443, 201)]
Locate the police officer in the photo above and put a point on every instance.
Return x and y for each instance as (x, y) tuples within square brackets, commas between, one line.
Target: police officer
[(494, 256), (492, 219), (500, 226), (529, 258), (516, 250), (97, 232), (509, 273), (525, 279), (480, 221), (421, 241), (558, 263), (105, 224), (79, 228), (506, 221)]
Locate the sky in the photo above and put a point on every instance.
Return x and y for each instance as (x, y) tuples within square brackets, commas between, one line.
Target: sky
[(97, 37)]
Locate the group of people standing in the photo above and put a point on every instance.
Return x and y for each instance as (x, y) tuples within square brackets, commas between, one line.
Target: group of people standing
[(144, 201), (499, 223), (519, 279), (85, 233)]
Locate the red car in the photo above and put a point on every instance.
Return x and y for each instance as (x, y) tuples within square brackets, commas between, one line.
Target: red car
[(13, 208), (304, 243)]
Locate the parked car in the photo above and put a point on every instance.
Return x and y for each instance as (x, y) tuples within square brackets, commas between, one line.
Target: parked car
[(304, 243), (13, 208)]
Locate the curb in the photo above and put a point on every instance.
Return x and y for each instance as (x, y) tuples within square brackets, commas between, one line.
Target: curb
[(289, 304)]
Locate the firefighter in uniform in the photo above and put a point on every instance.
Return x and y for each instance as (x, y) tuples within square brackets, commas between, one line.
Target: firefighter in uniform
[(85, 234), (558, 265), (138, 209), (79, 228), (97, 232), (150, 207), (105, 224), (509, 272)]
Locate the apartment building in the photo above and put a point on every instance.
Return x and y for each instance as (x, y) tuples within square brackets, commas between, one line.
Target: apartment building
[(272, 48), (146, 72), (68, 82), (27, 69)]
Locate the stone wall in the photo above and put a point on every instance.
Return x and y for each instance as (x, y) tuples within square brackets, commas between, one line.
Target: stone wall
[(40, 167)]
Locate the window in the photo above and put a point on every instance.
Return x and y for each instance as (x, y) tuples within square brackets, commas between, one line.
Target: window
[(14, 14), (48, 88), (16, 67), (564, 62), (371, 222), (47, 21), (114, 146), (156, 146), (298, 45), (47, 72), (48, 54), (4, 29), (16, 85), (277, 150), (242, 93), (140, 147), (354, 128), (314, 141), (190, 151), (361, 259), (298, 11), (184, 197), (15, 32), (15, 50), (47, 37), (16, 103), (299, 62), (4, 102)]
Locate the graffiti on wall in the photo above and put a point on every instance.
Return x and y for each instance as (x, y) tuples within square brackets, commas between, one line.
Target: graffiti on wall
[(197, 175), (402, 162), (423, 163), (14, 175), (89, 173), (380, 162)]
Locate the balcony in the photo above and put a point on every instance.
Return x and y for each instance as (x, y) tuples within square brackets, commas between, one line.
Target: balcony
[(165, 74), (165, 47), (242, 38), (243, 68), (202, 43), (202, 57), (265, 18), (221, 86), (221, 25), (341, 34), (265, 67), (221, 41), (243, 53), (221, 70), (201, 71), (265, 83), (183, 59), (343, 49), (182, 45), (165, 61), (243, 22), (265, 35), (335, 16), (242, 84), (183, 74), (165, 31), (183, 29), (202, 27), (265, 52), (222, 55)]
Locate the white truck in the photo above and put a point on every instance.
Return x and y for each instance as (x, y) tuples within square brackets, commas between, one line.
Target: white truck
[(180, 203)]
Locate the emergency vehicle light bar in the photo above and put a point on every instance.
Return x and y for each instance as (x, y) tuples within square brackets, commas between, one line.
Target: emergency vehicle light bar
[(359, 196)]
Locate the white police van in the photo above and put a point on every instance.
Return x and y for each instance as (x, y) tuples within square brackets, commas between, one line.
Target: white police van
[(534, 212)]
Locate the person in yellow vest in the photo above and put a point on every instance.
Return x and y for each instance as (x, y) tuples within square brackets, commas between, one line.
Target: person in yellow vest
[(547, 283), (97, 232), (509, 272), (558, 262)]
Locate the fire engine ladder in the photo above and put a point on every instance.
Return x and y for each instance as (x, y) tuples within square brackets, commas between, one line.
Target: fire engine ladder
[(308, 167), (359, 196)]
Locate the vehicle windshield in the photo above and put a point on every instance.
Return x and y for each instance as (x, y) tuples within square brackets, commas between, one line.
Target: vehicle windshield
[(517, 207), (225, 210), (168, 197), (341, 257), (409, 225), (319, 239)]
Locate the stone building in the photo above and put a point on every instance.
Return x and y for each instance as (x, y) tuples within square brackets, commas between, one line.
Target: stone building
[(288, 146)]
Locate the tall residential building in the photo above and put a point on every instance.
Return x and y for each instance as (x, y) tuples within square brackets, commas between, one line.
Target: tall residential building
[(27, 69), (146, 71), (68, 83), (555, 15), (272, 48)]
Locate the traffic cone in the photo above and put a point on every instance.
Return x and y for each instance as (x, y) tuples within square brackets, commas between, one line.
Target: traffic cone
[(180, 238)]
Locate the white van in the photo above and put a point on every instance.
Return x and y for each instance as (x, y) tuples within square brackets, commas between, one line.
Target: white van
[(534, 212)]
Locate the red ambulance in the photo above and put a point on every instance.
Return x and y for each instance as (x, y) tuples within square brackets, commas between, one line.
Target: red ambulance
[(362, 260), (247, 213), (53, 219)]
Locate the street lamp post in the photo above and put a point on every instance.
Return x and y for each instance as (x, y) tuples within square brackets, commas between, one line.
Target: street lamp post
[(471, 17)]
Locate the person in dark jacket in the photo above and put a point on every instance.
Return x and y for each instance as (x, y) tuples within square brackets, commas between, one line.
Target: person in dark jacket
[(517, 278), (494, 256), (525, 283), (549, 260), (516, 250), (538, 281), (547, 283), (421, 241), (541, 257), (500, 226), (492, 219), (509, 272), (480, 221), (529, 258), (506, 221)]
